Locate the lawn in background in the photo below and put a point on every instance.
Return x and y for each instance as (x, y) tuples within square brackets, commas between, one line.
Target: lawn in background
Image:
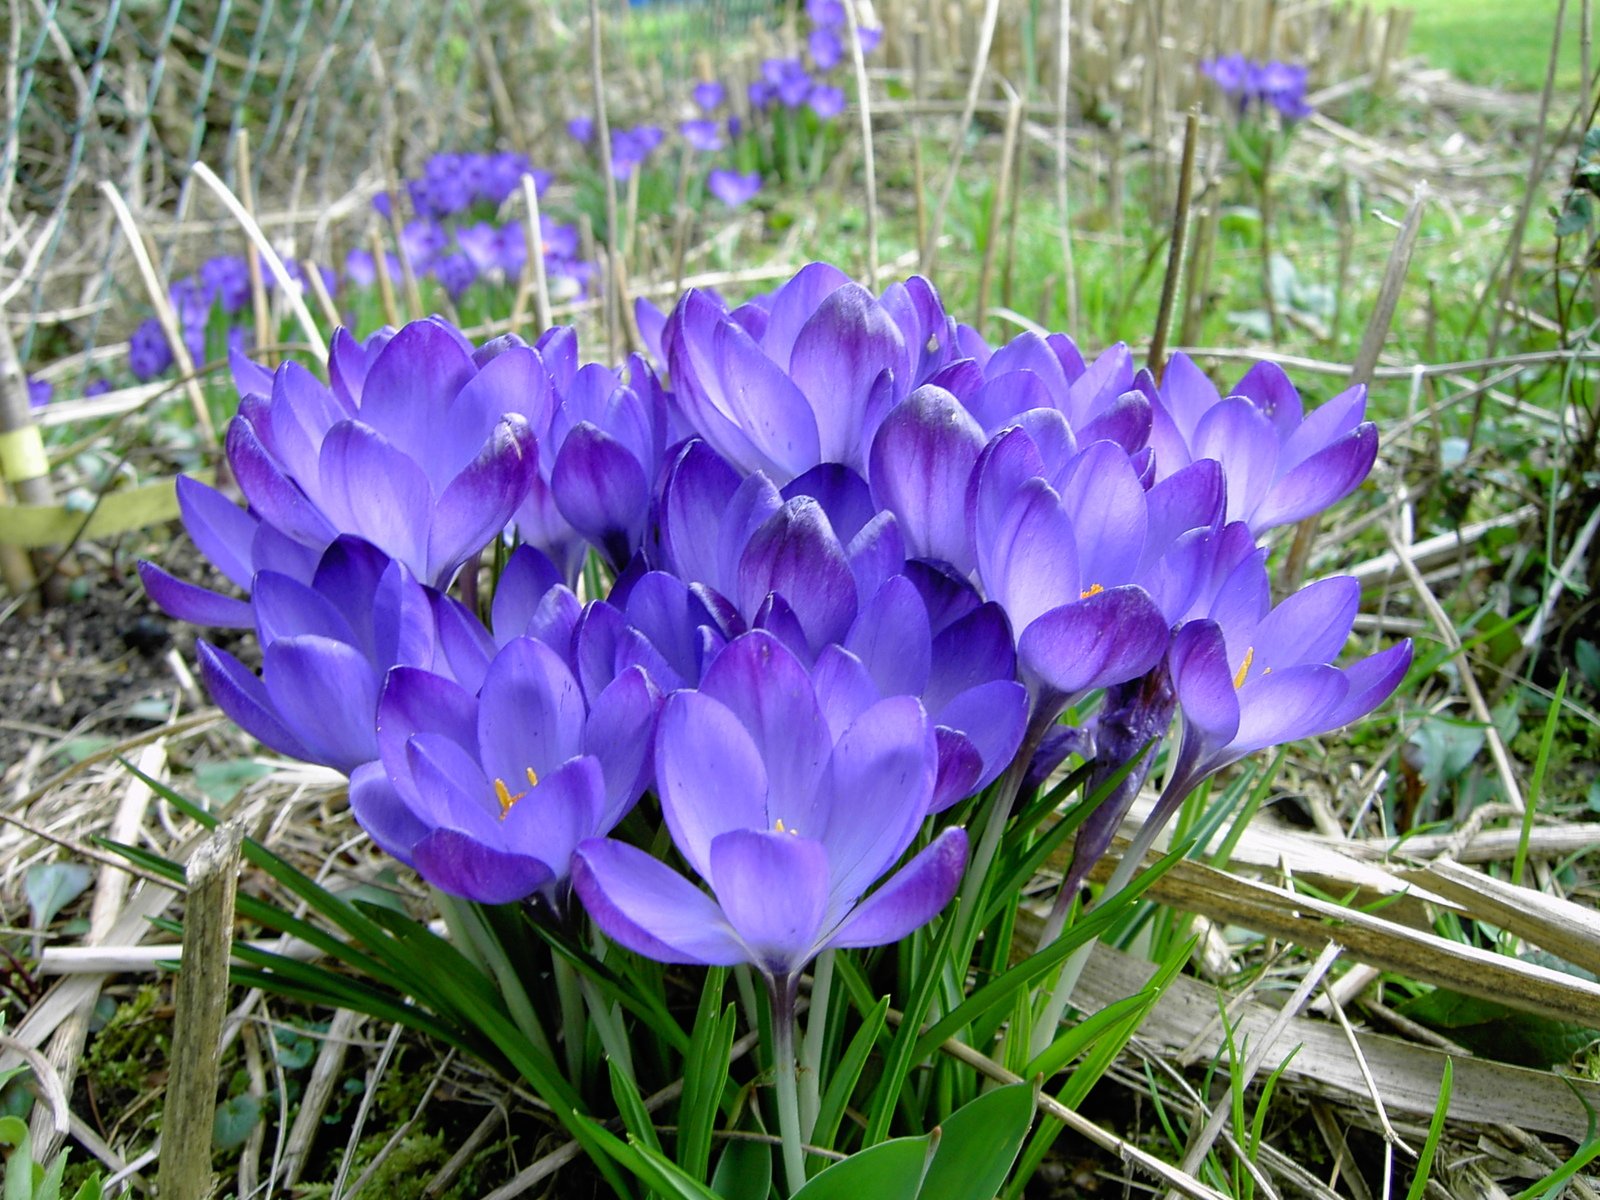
[(1497, 43)]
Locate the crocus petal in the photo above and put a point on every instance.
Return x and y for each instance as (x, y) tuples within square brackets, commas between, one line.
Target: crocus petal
[(773, 889), (1285, 705), (410, 385), (844, 687), (279, 501), (793, 304), (709, 774), (879, 786), (1103, 499), (221, 530), (528, 575), (796, 554), (922, 459), (842, 349), (457, 863), (478, 503), (1323, 479), (189, 602), (530, 712), (1204, 683), (371, 488), (960, 766), (1032, 565), (1324, 425), (893, 640), (550, 818), (1269, 389), (380, 811), (992, 717), (972, 650), (769, 690), (1310, 626), (1237, 435), (1371, 681), (1109, 637), (911, 898), (619, 733), (843, 494), (244, 698), (643, 905), (415, 701), (601, 489), (327, 693)]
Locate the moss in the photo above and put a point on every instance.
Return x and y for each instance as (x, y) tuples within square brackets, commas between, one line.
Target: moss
[(130, 1048)]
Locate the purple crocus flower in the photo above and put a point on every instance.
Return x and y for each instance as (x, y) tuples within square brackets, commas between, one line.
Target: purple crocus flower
[(1281, 467), (1252, 678), (709, 95), (789, 824), (361, 269), (428, 465), (488, 795), (789, 78), (423, 241), (40, 392), (480, 243), (762, 93), (733, 188), (227, 277), (964, 675), (826, 101), (326, 646), (1066, 562), (703, 135), (826, 52), (581, 130), (149, 354), (806, 375), (827, 14), (870, 36), (611, 438), (455, 273)]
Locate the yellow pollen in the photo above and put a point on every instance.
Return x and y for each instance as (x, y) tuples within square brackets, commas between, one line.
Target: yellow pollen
[(778, 827), (1094, 589), (503, 794), (1244, 668)]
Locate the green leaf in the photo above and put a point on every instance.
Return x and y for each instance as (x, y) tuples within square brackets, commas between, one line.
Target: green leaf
[(705, 1071), (50, 887), (19, 1166), (744, 1171), (1499, 1032), (978, 1143), (845, 1074), (891, 1170), (235, 1118), (222, 781)]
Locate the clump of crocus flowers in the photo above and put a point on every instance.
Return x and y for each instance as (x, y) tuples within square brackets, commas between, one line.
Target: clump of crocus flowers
[(845, 565)]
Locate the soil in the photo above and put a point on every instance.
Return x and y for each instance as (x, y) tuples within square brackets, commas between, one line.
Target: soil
[(92, 667)]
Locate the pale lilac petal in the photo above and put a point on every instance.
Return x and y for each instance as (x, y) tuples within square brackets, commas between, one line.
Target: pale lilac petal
[(417, 702), (271, 493), (1104, 501), (512, 383), (530, 712), (1237, 435), (410, 385), (842, 349), (709, 775), (766, 404), (1371, 680), (1269, 389), (1293, 703), (893, 640), (1187, 394), (1032, 564), (221, 530), (387, 819), (796, 554), (620, 735), (643, 905), (879, 786), (549, 819), (1204, 683), (527, 576), (844, 688), (1125, 421), (769, 691), (773, 889), (1323, 479), (601, 489), (328, 695), (911, 898), (1324, 425), (1310, 626), (876, 554), (793, 304), (369, 487)]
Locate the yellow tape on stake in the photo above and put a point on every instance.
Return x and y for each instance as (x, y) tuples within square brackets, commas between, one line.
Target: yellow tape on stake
[(22, 454), (34, 525)]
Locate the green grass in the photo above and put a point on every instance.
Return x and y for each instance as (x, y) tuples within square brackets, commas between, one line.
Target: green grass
[(1503, 43)]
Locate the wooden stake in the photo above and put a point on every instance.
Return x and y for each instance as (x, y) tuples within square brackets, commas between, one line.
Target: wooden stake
[(1008, 148), (868, 162), (200, 1001)]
